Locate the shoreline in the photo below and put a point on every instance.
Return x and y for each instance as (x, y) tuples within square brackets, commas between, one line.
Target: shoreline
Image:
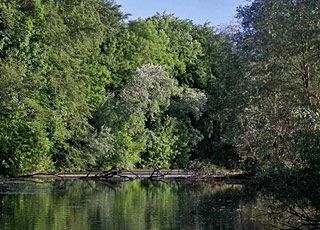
[(135, 174)]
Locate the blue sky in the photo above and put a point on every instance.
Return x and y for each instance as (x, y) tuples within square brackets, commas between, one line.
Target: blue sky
[(218, 12)]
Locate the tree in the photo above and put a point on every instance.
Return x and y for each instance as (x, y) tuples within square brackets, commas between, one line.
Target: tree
[(51, 80), (279, 43), (190, 52), (150, 128)]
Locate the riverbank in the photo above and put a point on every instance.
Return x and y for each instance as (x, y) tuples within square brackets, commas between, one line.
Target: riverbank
[(137, 174)]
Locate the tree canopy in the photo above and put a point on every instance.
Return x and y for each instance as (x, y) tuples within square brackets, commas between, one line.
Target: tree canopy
[(83, 88)]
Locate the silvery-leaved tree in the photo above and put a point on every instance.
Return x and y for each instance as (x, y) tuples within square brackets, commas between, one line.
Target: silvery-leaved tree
[(149, 119)]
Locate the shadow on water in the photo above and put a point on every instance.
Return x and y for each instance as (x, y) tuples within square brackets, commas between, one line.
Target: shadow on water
[(152, 205), (292, 206)]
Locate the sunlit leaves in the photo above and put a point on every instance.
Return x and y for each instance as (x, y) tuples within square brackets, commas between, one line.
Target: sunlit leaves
[(149, 118)]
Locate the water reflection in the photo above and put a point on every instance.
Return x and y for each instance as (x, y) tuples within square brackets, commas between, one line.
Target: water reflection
[(138, 205), (292, 207)]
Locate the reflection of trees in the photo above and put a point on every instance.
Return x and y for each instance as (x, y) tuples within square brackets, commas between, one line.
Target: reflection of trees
[(232, 207), (293, 207), (134, 205), (292, 214)]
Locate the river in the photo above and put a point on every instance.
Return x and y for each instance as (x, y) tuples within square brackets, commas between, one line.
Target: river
[(151, 205)]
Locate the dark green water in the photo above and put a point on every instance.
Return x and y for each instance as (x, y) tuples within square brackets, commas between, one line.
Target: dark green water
[(137, 205)]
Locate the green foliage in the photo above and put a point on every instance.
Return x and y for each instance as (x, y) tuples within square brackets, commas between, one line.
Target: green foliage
[(23, 141), (190, 52), (51, 80), (59, 60), (80, 88), (160, 150), (278, 46), (202, 168), (226, 99), (146, 131)]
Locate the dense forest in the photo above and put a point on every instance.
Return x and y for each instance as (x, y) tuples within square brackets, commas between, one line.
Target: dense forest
[(83, 88)]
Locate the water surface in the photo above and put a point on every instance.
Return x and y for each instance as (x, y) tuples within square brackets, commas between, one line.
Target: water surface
[(137, 205)]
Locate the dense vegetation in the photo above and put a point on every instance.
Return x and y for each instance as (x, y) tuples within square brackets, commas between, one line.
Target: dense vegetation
[(82, 88)]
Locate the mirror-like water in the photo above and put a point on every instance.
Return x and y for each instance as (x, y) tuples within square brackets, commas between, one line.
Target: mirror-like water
[(136, 205)]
